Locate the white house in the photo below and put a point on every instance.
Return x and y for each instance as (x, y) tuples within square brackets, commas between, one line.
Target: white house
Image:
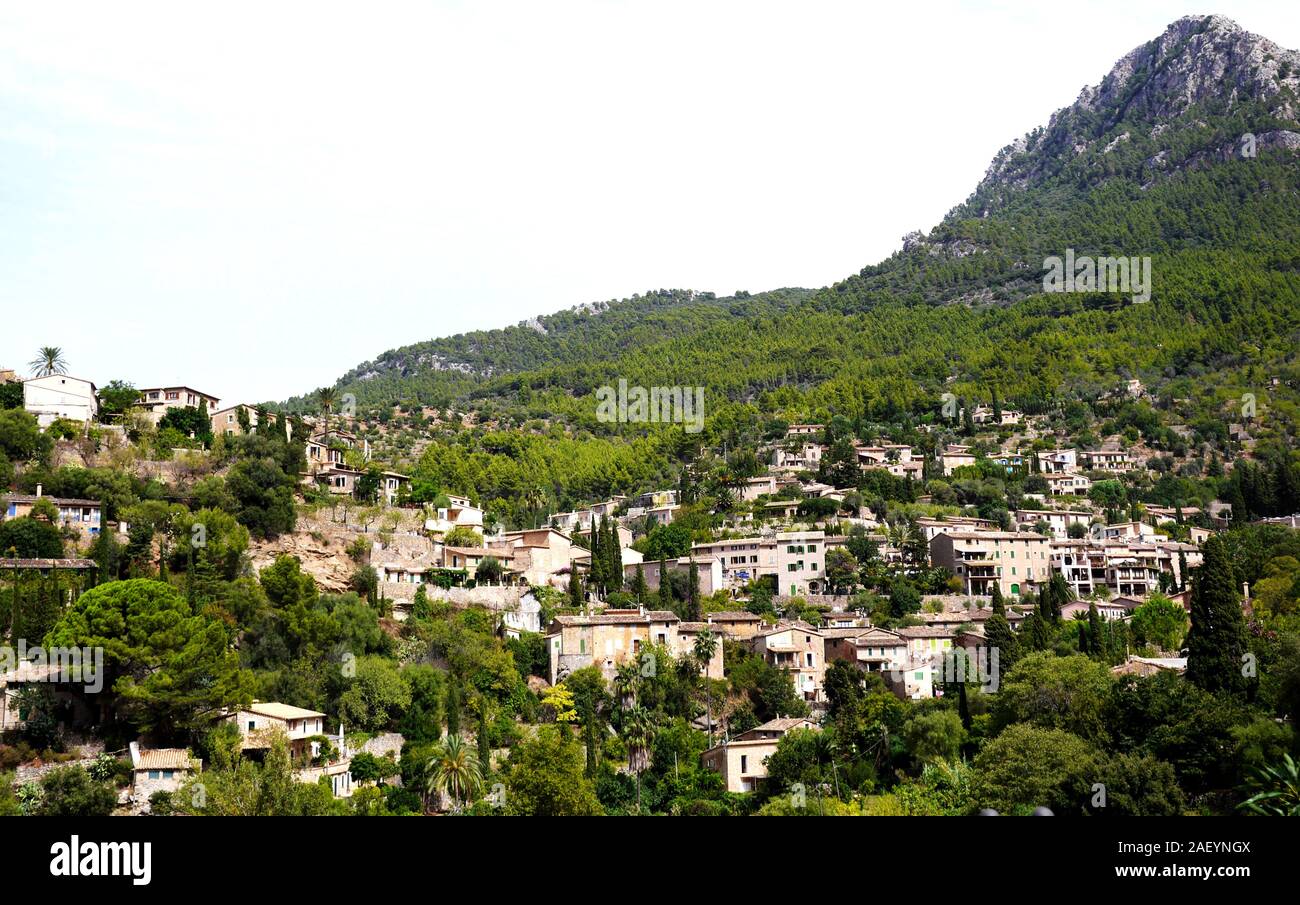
[(60, 396)]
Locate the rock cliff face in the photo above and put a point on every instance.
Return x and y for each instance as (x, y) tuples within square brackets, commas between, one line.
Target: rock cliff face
[(1165, 90)]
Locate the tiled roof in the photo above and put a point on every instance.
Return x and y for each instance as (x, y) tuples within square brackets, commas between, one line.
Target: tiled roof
[(924, 631), (619, 618), (6, 563), (279, 711), (165, 759), (57, 501)]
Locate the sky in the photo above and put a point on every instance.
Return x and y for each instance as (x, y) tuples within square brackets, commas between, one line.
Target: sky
[(253, 198)]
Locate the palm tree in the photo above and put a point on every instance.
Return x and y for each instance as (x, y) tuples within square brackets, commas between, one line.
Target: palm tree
[(454, 770), (49, 360), (638, 733), (626, 679), (706, 645), (325, 398)]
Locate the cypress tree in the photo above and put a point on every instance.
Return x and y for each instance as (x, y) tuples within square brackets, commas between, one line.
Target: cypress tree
[(639, 589), (615, 554), (453, 706), (1084, 646), (1095, 646), (596, 572), (1217, 638), (1000, 636), (575, 588), (963, 706), (484, 745), (1035, 633), (1237, 499), (998, 604), (665, 587), (693, 593)]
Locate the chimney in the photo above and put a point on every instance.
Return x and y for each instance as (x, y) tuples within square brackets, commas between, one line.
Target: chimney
[(135, 754), (40, 489)]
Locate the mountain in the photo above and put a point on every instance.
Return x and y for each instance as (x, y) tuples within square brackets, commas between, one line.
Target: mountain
[(1186, 152)]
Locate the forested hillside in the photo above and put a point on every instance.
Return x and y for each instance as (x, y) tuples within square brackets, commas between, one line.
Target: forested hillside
[(1185, 153)]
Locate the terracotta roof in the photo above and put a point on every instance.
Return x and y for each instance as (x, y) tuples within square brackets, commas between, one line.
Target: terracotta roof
[(733, 616), (798, 626), (924, 631), (165, 759), (619, 618)]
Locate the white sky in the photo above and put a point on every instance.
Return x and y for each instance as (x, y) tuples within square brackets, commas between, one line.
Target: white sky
[(251, 198)]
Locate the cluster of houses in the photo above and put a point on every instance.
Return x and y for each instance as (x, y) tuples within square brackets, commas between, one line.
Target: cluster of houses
[(314, 751)]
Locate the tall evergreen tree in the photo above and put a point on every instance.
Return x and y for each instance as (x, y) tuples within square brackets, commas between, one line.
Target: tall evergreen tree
[(614, 553), (575, 588), (1216, 641), (693, 592), (665, 587), (596, 572), (1095, 644), (639, 588), (998, 603), (1000, 636), (453, 705)]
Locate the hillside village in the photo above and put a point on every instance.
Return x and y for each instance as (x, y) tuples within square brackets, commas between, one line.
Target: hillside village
[(352, 624), (941, 538)]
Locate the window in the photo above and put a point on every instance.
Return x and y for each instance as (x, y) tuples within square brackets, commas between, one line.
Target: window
[(744, 763), (252, 724), (155, 774)]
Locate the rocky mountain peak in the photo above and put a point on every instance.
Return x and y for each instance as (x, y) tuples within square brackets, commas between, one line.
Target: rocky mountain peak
[(1200, 68)]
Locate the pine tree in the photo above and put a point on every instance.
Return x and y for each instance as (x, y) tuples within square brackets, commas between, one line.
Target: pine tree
[(1216, 641)]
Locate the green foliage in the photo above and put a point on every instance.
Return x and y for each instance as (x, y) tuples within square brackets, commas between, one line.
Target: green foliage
[(1053, 692), (165, 667), (1216, 641), (546, 777), (30, 538)]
